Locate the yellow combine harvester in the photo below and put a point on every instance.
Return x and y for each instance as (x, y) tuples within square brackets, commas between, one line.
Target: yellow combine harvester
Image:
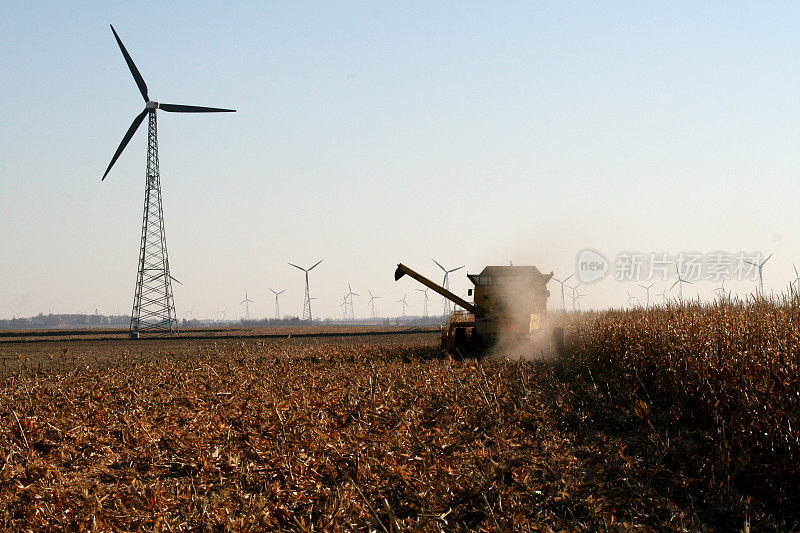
[(509, 312)]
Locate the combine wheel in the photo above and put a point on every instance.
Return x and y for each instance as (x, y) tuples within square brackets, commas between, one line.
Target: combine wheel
[(478, 345)]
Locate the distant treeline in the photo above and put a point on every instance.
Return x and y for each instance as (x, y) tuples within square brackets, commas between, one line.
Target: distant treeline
[(293, 321), (42, 321), (51, 321)]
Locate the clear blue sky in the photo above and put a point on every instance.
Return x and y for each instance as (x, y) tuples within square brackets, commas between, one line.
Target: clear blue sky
[(372, 133)]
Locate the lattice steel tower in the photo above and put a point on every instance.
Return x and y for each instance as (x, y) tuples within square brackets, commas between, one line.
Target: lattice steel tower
[(153, 304), (307, 300)]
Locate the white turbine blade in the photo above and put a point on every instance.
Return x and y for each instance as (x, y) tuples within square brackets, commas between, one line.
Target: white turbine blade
[(565, 279), (440, 266), (767, 259), (301, 268), (454, 269), (315, 264), (673, 285)]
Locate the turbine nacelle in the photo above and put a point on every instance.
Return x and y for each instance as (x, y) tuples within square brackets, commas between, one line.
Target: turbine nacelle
[(151, 105)]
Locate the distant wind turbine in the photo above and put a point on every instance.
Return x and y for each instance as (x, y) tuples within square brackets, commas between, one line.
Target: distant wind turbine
[(350, 295), (247, 301), (372, 299), (663, 293), (574, 288), (578, 297), (630, 298), (647, 288), (424, 292), (307, 301), (405, 304), (760, 267), (446, 284), (721, 290), (277, 305), (562, 282), (680, 281)]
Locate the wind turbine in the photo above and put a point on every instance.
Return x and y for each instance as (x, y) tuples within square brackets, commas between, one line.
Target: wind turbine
[(663, 293), (446, 284), (647, 288), (350, 294), (562, 282), (578, 297), (247, 301), (760, 267), (796, 276), (405, 304), (153, 303), (343, 305), (721, 289), (425, 292), (277, 305), (574, 298), (372, 303), (680, 283), (630, 297), (307, 300)]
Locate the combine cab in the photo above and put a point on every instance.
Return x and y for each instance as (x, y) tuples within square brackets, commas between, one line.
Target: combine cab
[(508, 312)]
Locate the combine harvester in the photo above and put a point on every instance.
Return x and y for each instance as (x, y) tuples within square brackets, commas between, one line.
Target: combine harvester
[(508, 315)]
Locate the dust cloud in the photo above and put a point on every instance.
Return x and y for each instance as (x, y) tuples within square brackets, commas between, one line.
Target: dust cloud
[(539, 347)]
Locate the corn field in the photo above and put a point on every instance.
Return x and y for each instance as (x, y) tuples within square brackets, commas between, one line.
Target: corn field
[(714, 389), (679, 418)]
